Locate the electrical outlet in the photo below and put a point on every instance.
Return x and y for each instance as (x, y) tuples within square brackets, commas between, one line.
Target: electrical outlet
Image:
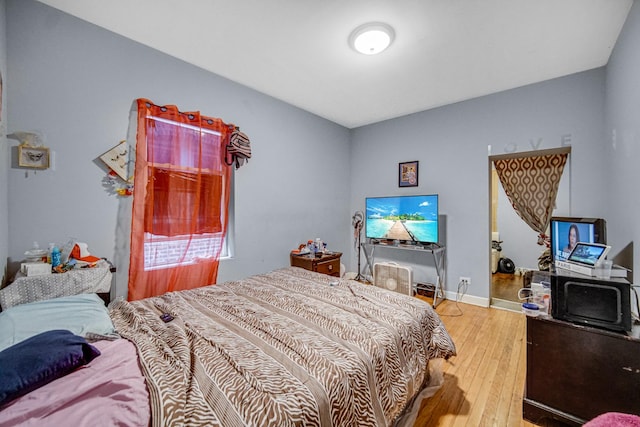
[(465, 280)]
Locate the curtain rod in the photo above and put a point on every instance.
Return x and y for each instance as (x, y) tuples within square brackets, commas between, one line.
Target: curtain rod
[(535, 153), (190, 115)]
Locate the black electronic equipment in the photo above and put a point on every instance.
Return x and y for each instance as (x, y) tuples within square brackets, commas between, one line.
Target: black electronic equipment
[(581, 299), (565, 232), (405, 219)]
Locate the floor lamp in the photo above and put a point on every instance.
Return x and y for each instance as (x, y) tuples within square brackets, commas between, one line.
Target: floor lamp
[(357, 222)]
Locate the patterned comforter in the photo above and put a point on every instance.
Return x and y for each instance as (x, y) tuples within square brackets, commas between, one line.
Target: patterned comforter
[(283, 348)]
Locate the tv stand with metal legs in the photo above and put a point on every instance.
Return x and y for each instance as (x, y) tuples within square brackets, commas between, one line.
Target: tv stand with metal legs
[(439, 258)]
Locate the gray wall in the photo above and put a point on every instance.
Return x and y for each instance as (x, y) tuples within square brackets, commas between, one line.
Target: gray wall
[(622, 137), (75, 83), (4, 152), (452, 142)]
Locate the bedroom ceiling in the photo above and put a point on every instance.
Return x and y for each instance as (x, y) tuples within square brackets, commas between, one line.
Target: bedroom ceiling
[(444, 51)]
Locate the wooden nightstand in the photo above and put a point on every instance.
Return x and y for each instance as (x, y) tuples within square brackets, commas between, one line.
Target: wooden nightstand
[(329, 263)]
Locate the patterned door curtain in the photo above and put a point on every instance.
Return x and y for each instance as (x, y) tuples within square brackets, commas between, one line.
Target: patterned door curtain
[(531, 183)]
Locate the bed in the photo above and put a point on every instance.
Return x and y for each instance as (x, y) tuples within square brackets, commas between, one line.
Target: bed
[(288, 347)]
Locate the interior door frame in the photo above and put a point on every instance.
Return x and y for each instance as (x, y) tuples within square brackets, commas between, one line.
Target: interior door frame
[(491, 159)]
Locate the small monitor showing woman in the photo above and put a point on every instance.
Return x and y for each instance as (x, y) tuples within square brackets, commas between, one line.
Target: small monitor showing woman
[(567, 232)]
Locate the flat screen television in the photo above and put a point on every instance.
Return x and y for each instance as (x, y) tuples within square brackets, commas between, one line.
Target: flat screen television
[(565, 232), (403, 218)]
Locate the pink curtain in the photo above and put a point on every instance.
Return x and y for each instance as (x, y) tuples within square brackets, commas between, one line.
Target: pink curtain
[(180, 200)]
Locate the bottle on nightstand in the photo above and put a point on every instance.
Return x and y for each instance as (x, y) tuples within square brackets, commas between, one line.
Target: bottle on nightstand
[(55, 257), (51, 246)]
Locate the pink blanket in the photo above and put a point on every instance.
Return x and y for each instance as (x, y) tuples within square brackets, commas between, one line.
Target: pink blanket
[(111, 390), (614, 419)]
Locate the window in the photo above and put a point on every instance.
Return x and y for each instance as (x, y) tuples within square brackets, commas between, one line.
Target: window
[(184, 222), (181, 198)]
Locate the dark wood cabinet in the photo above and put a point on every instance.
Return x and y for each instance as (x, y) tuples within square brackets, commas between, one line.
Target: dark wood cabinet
[(575, 373), (328, 263)]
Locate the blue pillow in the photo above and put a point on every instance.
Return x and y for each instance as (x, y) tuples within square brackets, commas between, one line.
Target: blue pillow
[(38, 360)]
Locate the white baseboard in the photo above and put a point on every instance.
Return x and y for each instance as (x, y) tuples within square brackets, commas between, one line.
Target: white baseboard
[(468, 299)]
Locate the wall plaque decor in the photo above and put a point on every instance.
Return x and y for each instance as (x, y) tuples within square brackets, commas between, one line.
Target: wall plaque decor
[(408, 174), (117, 159), (33, 157)]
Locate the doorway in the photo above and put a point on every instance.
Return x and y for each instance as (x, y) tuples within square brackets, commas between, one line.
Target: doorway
[(510, 238), (504, 286)]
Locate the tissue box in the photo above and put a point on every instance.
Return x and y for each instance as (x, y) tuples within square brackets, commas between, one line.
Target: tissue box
[(35, 268)]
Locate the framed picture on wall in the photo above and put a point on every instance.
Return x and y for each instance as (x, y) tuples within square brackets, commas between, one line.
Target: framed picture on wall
[(33, 157), (408, 174)]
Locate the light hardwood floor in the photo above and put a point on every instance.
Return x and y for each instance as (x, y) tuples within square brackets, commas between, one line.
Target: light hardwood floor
[(506, 286), (484, 384)]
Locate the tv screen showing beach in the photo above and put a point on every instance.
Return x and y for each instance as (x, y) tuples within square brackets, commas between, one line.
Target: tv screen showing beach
[(404, 218)]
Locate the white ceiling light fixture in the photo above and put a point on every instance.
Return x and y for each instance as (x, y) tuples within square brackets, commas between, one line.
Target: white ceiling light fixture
[(371, 38)]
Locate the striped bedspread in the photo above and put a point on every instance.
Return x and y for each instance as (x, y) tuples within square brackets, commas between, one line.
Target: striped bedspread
[(283, 348)]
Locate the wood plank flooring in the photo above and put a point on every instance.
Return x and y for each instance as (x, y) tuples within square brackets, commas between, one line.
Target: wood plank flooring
[(505, 286), (484, 384)]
